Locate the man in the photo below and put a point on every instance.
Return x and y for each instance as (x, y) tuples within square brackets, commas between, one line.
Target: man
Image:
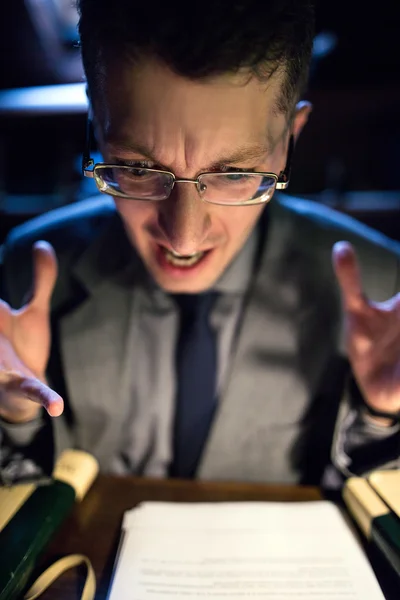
[(196, 327)]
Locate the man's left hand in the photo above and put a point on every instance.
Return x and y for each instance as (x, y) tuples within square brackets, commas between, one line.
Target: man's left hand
[(372, 335)]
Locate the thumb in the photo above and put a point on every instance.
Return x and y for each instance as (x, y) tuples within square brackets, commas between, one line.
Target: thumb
[(45, 274), (348, 275)]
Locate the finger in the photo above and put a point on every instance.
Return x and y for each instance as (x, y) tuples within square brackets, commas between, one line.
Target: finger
[(45, 274), (33, 389), (5, 319), (348, 275)]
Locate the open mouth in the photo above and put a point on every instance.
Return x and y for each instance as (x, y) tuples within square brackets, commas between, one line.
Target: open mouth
[(178, 260)]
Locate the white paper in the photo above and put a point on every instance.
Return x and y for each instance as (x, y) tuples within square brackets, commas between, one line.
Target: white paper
[(276, 551)]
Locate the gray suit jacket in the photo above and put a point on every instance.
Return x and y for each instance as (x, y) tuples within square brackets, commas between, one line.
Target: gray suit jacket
[(286, 387)]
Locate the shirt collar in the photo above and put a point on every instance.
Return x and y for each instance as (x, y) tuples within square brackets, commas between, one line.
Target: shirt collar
[(236, 277)]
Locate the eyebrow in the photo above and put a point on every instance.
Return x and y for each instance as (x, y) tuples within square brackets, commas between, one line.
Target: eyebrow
[(249, 152)]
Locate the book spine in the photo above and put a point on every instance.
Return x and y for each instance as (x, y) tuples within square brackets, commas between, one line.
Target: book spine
[(26, 535), (385, 533)]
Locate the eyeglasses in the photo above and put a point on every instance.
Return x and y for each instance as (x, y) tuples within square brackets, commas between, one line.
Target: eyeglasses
[(231, 188)]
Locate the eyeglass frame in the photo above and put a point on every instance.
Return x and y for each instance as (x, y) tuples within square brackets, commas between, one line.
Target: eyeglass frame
[(281, 181)]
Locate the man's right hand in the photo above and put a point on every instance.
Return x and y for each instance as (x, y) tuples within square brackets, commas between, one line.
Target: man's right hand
[(25, 340)]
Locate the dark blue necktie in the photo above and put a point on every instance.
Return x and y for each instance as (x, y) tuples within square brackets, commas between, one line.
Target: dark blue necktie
[(196, 366)]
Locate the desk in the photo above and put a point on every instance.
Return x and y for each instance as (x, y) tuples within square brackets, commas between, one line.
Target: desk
[(93, 528)]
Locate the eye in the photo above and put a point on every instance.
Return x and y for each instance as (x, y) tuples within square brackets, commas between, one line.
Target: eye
[(235, 176)]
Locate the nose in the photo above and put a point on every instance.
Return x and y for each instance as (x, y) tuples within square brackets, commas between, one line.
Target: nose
[(184, 219)]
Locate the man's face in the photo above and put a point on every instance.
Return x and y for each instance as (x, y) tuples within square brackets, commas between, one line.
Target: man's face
[(146, 114)]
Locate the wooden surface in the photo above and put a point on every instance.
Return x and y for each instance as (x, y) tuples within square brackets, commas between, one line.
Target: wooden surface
[(93, 528)]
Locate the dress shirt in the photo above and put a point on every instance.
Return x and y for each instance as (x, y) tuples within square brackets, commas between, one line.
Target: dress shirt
[(156, 320)]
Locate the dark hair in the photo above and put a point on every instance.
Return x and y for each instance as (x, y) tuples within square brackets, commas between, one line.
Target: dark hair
[(202, 38)]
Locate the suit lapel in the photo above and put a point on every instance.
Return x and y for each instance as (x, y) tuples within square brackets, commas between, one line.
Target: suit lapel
[(261, 412), (94, 340)]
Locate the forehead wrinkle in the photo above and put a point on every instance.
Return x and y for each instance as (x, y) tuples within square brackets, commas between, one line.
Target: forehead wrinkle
[(129, 147), (241, 154)]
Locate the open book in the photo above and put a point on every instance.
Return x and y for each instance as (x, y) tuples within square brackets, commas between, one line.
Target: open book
[(257, 550)]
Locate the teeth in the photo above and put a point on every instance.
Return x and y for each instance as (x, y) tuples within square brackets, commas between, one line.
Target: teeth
[(177, 255), (182, 261)]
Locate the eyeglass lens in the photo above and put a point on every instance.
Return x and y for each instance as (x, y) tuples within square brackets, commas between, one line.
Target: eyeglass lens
[(221, 188)]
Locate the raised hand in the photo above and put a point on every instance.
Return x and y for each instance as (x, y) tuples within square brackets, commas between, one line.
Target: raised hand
[(372, 335), (25, 340)]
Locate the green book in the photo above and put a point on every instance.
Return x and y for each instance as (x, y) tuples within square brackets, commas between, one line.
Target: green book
[(30, 514)]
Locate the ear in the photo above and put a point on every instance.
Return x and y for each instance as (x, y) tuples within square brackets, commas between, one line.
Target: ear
[(302, 112)]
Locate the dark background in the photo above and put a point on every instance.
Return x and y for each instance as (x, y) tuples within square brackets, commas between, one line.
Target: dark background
[(347, 157)]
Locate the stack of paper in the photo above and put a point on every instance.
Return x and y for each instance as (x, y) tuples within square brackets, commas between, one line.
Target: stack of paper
[(277, 551)]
